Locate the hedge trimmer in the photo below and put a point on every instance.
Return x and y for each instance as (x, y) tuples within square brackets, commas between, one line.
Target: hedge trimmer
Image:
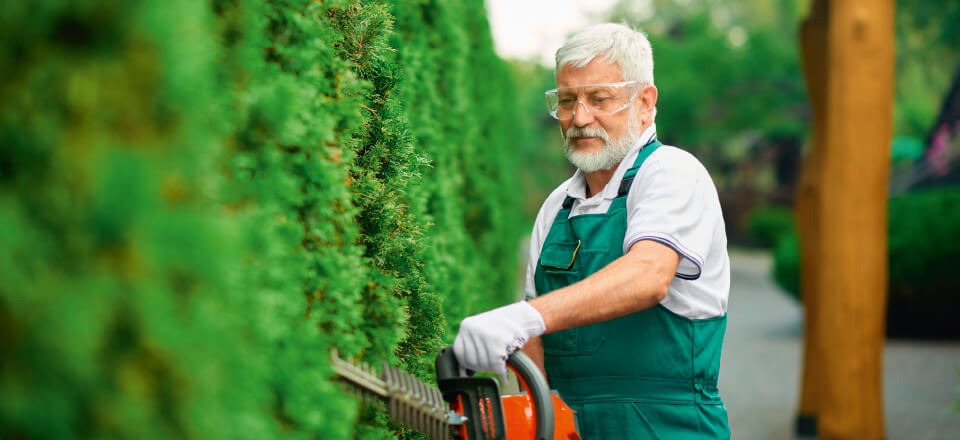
[(466, 407)]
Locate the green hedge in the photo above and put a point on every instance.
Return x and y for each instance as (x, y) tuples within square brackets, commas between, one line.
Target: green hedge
[(924, 237), (786, 263), (199, 200), (767, 224), (924, 229)]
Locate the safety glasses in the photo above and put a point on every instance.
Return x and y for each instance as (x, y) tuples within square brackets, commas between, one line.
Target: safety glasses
[(598, 99)]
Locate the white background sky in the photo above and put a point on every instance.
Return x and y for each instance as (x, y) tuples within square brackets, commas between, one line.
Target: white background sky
[(535, 29)]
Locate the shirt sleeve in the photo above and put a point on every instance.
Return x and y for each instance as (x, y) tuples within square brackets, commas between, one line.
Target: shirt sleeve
[(529, 287), (668, 203), (536, 242)]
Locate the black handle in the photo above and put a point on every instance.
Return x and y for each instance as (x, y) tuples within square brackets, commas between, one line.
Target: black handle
[(448, 368)]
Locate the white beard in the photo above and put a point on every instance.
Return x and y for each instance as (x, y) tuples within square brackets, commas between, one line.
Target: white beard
[(609, 156)]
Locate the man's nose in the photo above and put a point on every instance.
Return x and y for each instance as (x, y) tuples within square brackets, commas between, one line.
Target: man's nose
[(582, 116)]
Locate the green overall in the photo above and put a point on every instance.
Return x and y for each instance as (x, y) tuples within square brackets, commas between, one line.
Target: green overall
[(647, 375)]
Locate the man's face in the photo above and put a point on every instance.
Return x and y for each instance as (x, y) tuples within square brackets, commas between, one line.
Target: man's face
[(616, 125)]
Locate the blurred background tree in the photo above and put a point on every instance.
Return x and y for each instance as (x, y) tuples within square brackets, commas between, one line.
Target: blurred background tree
[(928, 55), (731, 91)]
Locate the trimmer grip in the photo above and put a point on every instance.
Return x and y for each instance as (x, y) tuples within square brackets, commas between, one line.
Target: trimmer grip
[(530, 376), (446, 365), (539, 390)]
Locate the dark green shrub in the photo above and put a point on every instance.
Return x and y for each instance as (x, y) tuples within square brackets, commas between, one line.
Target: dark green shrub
[(924, 253), (767, 224), (924, 229), (786, 264)]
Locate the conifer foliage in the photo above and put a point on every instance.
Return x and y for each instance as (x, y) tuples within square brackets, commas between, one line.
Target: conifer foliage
[(198, 200)]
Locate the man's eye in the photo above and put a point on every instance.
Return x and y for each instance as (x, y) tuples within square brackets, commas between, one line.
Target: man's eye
[(600, 99)]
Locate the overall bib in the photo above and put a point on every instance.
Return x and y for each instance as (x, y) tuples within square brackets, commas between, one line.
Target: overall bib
[(648, 375)]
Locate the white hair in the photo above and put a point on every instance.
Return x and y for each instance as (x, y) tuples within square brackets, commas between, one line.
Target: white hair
[(629, 48), (618, 43)]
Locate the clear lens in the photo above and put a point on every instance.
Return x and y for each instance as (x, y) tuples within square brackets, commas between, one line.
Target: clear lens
[(598, 99)]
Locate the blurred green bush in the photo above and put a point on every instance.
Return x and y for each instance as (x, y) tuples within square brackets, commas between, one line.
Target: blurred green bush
[(924, 229), (786, 263), (924, 252), (767, 224), (199, 199)]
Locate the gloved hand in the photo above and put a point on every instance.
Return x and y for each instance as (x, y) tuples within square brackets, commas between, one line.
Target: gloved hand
[(486, 340)]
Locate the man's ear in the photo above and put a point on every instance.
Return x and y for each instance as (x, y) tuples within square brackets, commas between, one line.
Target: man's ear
[(648, 99)]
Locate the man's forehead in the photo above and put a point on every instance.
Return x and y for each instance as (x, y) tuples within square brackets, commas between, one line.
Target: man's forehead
[(598, 71)]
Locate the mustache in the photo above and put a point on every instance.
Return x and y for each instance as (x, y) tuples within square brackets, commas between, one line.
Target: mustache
[(574, 132)]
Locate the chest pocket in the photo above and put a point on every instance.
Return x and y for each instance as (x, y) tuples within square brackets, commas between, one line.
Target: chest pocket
[(559, 256), (561, 263)]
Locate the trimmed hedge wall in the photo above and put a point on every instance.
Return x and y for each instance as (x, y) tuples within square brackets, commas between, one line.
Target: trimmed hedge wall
[(199, 199)]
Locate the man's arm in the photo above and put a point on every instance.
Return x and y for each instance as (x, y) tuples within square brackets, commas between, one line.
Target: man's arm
[(534, 350), (634, 282)]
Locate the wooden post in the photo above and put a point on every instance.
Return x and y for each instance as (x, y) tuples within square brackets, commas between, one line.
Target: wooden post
[(813, 51), (843, 218)]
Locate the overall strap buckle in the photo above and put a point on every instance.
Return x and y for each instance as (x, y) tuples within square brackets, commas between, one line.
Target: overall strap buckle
[(627, 181), (628, 176)]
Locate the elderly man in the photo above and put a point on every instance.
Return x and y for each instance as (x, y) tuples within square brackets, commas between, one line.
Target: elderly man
[(628, 275)]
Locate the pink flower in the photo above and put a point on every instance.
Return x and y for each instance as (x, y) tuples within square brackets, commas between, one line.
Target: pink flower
[(938, 155)]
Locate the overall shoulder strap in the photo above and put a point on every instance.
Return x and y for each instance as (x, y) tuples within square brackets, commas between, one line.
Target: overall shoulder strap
[(628, 176)]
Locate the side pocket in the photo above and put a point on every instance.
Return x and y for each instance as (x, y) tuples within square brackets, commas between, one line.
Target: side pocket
[(580, 341), (640, 426), (563, 343)]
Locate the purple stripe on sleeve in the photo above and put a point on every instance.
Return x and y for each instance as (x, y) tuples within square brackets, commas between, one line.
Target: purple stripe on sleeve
[(676, 247)]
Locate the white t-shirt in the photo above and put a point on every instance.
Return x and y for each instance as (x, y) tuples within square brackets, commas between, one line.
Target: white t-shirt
[(673, 201)]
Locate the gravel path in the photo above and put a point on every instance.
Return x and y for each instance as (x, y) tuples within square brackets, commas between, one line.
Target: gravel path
[(760, 367)]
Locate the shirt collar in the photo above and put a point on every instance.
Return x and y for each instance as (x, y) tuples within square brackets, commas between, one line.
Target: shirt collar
[(577, 188)]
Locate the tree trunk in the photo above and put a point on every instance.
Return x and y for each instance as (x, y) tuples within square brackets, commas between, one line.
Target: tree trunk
[(848, 58), (813, 46)]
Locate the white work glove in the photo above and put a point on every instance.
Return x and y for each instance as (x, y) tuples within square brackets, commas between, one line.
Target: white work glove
[(486, 340)]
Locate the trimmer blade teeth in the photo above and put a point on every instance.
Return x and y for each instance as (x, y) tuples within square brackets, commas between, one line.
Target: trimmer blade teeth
[(416, 404), (410, 401)]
